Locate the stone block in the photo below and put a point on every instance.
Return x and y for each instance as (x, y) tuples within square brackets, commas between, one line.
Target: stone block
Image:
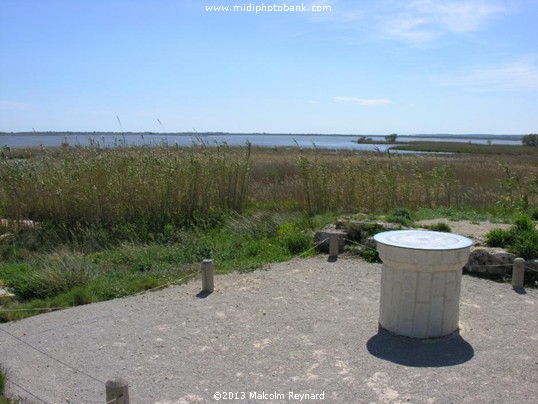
[(424, 287)]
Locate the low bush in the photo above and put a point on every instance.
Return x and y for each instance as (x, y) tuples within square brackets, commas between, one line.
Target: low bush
[(400, 216), (369, 255), (521, 239), (498, 238), (525, 245), (523, 222), (291, 236), (441, 226)]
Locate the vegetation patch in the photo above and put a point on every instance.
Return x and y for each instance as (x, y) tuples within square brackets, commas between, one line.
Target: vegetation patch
[(66, 277), (468, 148), (113, 222), (401, 216), (441, 226), (521, 239)]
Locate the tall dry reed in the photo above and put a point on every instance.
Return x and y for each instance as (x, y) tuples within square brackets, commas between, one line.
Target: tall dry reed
[(172, 185), (89, 186)]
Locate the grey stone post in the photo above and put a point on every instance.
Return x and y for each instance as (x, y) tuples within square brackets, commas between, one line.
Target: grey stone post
[(333, 245), (518, 273), (207, 276)]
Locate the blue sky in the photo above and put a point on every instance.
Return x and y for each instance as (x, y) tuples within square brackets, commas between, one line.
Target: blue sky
[(364, 67)]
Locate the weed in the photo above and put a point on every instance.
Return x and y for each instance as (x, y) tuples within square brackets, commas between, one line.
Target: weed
[(293, 239), (400, 216), (3, 380), (441, 226)]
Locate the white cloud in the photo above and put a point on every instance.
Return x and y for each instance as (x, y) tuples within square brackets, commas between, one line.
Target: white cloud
[(459, 16), (362, 101), (514, 76), (411, 28), (426, 20)]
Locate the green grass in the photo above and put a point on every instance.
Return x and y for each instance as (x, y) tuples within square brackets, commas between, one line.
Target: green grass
[(65, 278), (3, 381)]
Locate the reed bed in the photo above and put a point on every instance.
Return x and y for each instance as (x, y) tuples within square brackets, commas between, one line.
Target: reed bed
[(147, 186), (318, 181), (171, 186)]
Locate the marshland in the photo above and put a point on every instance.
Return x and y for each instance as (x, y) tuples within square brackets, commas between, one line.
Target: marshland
[(84, 224)]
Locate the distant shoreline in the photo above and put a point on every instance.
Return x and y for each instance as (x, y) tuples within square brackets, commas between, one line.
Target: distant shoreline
[(475, 136)]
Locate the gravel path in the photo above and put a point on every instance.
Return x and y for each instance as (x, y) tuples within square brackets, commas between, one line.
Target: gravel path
[(305, 326)]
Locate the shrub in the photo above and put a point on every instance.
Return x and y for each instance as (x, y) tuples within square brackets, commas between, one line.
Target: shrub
[(401, 216), (498, 238), (370, 255), (441, 226), (525, 245), (521, 239), (523, 222), (293, 239), (534, 213)]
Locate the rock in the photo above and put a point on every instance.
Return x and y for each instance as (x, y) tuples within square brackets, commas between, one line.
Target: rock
[(353, 230), (5, 295), (360, 230), (490, 261)]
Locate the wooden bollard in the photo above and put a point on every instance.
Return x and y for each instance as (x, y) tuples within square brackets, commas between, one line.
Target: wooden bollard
[(117, 391), (518, 273), (207, 276), (333, 245)]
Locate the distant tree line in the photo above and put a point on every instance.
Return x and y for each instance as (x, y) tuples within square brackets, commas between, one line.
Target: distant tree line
[(530, 140)]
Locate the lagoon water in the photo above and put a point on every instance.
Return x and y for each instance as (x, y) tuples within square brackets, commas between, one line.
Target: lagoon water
[(261, 140)]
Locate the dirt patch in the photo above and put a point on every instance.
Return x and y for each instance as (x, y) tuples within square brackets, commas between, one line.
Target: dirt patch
[(474, 230)]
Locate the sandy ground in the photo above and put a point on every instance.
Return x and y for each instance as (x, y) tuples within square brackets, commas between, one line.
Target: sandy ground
[(305, 326), (474, 230)]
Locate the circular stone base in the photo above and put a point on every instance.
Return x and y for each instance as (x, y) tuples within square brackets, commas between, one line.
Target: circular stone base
[(421, 281)]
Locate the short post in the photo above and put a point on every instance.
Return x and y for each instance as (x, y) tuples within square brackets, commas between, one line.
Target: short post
[(117, 391), (207, 276), (333, 245), (518, 273)]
